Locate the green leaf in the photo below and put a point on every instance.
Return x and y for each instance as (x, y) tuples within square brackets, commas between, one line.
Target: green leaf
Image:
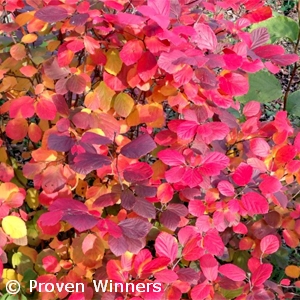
[(264, 87), (293, 103), (280, 27), (231, 294)]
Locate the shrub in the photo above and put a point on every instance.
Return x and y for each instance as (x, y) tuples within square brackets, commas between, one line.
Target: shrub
[(137, 162)]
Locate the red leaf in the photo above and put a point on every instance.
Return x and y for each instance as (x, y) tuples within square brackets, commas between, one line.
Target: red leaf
[(270, 185), (171, 157), (46, 109), (285, 154), (260, 14), (139, 147), (213, 163), (242, 174), (234, 84), (261, 274), (232, 272), (200, 291), (16, 129), (255, 203), (213, 243), (209, 266), (166, 246), (268, 51), (269, 244), (22, 107), (51, 14), (76, 84), (147, 66), (132, 52), (137, 172), (259, 147)]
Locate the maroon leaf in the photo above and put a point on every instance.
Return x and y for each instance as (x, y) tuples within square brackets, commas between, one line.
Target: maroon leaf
[(139, 147), (52, 69), (79, 19), (106, 200), (169, 219), (137, 172), (127, 199), (51, 14), (76, 84), (94, 138)]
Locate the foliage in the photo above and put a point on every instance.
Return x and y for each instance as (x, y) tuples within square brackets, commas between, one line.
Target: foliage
[(139, 163)]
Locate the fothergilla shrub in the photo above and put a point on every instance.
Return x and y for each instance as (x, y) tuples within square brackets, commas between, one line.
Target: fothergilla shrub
[(129, 154)]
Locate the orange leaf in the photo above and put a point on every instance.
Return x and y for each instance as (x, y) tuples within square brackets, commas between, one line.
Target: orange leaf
[(34, 132), (28, 71), (29, 38), (292, 271), (18, 51)]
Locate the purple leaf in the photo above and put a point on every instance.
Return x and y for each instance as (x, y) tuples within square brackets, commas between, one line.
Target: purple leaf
[(80, 220), (144, 208), (139, 147), (61, 142), (137, 172), (134, 245), (135, 228), (79, 19), (145, 191), (117, 246), (169, 219), (85, 163), (127, 199), (51, 14), (94, 138)]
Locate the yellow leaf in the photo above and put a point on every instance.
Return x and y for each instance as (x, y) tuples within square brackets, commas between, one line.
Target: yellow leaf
[(14, 227), (105, 95), (114, 63), (24, 18), (292, 271), (123, 104), (32, 198)]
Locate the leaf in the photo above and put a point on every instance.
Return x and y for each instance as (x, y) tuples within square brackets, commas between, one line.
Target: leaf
[(205, 38), (146, 66), (144, 208), (94, 138), (255, 203), (213, 163), (280, 27), (166, 246), (51, 14), (261, 274), (270, 185), (269, 244), (85, 163), (132, 52), (209, 266), (139, 147), (52, 69), (14, 226), (234, 84), (76, 84), (28, 71), (292, 271), (200, 291), (260, 147), (135, 228), (16, 129), (60, 142), (123, 104), (114, 63), (46, 109), (22, 108), (18, 51), (264, 88), (136, 172), (226, 188), (171, 157), (293, 101), (232, 272), (242, 174)]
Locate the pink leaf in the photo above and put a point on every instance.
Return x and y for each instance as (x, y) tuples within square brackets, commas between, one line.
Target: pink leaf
[(242, 174), (88, 243), (139, 147), (213, 163), (76, 84), (260, 147), (232, 272), (22, 108), (209, 266), (200, 291), (269, 244), (131, 52), (255, 203), (261, 274), (234, 84), (166, 246), (166, 276), (251, 109), (226, 188), (205, 38)]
